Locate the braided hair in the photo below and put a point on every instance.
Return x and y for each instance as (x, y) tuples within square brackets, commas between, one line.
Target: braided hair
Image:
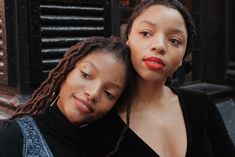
[(49, 89)]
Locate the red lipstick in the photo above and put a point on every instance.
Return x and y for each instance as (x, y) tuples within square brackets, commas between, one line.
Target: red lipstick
[(154, 63)]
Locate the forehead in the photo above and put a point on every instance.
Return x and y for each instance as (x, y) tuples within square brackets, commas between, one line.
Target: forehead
[(98, 55), (159, 14), (102, 59), (160, 10), (107, 65)]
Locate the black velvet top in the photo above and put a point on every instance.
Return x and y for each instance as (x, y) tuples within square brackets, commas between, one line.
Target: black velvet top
[(62, 138), (206, 132)]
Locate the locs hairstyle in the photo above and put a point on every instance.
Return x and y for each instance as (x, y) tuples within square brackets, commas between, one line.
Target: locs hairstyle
[(49, 89)]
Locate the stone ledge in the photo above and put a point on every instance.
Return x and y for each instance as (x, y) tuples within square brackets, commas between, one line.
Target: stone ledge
[(8, 104), (5, 113), (214, 91)]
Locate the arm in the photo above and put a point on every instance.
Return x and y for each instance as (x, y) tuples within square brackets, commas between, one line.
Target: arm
[(10, 139), (220, 140)]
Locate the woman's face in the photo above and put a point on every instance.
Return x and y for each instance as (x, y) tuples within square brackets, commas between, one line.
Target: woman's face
[(158, 40), (91, 88)]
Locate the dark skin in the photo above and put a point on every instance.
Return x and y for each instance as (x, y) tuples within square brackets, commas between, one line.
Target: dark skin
[(156, 115), (160, 120)]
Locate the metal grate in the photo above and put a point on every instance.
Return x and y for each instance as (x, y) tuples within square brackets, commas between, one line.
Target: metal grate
[(230, 73), (64, 24)]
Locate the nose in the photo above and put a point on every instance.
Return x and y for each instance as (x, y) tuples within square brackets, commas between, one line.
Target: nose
[(92, 92), (158, 44)]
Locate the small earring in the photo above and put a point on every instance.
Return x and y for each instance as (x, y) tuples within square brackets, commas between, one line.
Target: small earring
[(52, 104)]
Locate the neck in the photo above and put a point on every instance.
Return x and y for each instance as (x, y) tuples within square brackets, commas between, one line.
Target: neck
[(148, 92)]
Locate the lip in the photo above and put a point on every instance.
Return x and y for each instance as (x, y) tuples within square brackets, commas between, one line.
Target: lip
[(154, 63), (84, 105)]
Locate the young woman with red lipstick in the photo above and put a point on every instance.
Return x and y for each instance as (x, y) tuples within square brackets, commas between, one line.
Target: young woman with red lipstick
[(93, 77), (162, 121)]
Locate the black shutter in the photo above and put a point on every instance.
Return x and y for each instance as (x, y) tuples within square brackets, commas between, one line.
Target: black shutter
[(58, 24), (230, 72), (3, 53)]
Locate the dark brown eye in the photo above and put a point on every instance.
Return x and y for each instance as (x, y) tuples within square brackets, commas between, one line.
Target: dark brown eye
[(84, 74), (145, 34), (175, 42), (108, 94)]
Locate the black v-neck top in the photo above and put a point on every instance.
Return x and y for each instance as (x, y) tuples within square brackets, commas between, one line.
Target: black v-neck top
[(62, 138), (206, 132)]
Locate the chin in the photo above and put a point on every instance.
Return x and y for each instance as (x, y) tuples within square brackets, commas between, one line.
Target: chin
[(149, 77)]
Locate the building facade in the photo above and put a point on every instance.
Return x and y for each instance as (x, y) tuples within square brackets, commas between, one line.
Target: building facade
[(34, 35)]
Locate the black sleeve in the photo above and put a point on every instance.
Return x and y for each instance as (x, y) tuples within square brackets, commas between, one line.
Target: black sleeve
[(220, 140), (10, 139)]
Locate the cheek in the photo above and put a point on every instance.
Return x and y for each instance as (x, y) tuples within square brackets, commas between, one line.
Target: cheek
[(108, 107), (73, 82), (68, 87), (135, 52), (134, 61), (176, 62), (65, 88), (103, 109)]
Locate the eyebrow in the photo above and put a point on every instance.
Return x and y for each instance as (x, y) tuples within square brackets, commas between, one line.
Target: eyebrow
[(178, 31), (153, 25), (93, 66), (147, 22), (116, 85)]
